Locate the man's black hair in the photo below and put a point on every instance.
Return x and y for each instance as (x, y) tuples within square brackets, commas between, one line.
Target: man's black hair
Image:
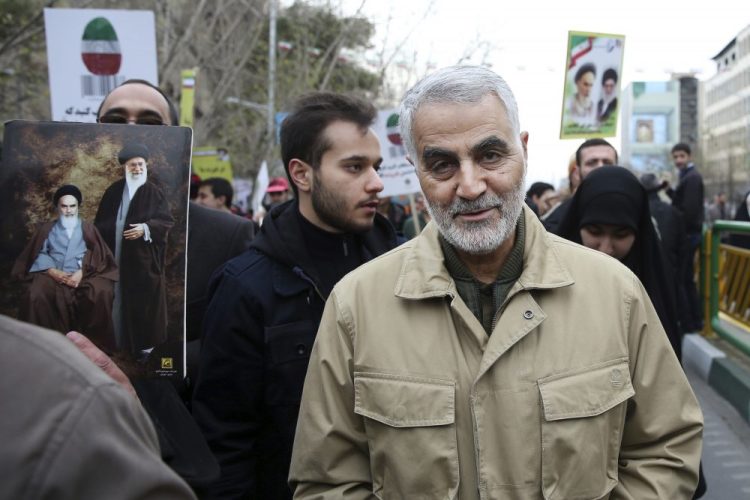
[(586, 68), (609, 74), (538, 189), (220, 187), (174, 117), (681, 146), (593, 142), (302, 132)]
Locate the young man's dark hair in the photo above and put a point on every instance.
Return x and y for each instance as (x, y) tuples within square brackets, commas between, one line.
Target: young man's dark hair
[(538, 189), (593, 142), (681, 146), (303, 131), (265, 305), (586, 68), (220, 187)]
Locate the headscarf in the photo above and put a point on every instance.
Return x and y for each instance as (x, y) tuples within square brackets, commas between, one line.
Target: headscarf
[(613, 195)]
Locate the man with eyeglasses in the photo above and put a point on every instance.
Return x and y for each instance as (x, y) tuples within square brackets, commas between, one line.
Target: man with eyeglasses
[(212, 239), (137, 102), (134, 219)]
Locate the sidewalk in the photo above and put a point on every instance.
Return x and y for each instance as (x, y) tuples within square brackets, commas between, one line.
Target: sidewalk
[(722, 366)]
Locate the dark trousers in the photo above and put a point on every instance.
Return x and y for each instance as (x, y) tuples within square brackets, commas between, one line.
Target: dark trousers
[(689, 303)]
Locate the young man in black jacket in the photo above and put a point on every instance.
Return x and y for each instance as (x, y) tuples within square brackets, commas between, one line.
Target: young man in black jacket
[(267, 303), (687, 197)]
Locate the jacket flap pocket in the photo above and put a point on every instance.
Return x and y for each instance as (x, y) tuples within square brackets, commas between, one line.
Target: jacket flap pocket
[(290, 341), (587, 392), (403, 400)]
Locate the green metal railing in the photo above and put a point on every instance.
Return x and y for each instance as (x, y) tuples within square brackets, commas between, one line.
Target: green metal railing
[(726, 285)]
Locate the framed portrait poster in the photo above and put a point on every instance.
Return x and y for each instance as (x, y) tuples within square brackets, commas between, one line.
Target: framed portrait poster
[(93, 222), (591, 94)]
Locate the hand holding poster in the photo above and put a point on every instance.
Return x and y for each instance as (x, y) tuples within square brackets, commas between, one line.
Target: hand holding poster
[(93, 222), (592, 85)]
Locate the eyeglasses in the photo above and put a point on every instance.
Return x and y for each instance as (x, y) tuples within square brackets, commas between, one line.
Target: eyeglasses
[(138, 120)]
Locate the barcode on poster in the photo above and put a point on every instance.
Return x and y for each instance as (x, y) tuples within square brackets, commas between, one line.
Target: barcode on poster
[(99, 86)]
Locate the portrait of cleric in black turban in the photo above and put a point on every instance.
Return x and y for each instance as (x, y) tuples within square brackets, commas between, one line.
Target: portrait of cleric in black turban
[(93, 223)]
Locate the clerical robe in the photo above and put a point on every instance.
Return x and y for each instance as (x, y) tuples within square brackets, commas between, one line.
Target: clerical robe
[(45, 302), (143, 299)]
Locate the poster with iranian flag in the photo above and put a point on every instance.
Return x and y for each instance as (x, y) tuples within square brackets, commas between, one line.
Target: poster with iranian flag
[(397, 174), (592, 85), (92, 51)]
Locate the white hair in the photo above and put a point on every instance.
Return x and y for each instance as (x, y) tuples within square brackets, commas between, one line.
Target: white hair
[(454, 84)]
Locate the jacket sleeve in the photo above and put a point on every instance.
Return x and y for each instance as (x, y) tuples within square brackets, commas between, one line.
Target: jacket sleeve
[(330, 458), (105, 447), (228, 394), (692, 200), (662, 438)]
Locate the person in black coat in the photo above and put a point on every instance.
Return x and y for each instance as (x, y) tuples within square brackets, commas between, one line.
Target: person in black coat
[(742, 215), (267, 303), (670, 225), (134, 220), (212, 239), (610, 213), (687, 197)]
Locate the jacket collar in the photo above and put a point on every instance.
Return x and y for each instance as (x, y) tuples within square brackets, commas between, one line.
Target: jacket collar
[(281, 239), (424, 275)]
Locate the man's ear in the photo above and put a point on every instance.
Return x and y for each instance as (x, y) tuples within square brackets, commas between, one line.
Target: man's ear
[(301, 174), (524, 144), (576, 172)]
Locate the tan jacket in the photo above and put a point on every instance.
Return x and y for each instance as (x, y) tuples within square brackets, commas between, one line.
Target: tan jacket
[(68, 431), (576, 395)]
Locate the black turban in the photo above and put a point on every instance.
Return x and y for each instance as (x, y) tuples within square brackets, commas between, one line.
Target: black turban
[(68, 189), (132, 150)]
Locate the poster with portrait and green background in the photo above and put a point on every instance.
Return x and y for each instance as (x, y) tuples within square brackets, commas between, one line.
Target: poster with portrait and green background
[(592, 85)]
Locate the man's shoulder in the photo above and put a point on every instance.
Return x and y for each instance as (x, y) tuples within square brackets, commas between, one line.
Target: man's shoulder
[(586, 264), (44, 227), (695, 174), (252, 267), (117, 185), (382, 272), (44, 354)]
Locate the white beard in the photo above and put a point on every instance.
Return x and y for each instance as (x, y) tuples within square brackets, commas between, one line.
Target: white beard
[(479, 238), (134, 182), (69, 223)]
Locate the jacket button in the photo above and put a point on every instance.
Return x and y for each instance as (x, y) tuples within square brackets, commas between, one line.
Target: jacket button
[(528, 314), (301, 349)]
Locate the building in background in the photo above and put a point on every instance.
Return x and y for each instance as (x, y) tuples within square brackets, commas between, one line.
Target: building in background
[(725, 131), (650, 125)]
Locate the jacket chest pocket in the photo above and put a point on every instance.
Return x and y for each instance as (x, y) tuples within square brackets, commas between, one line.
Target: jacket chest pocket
[(410, 426), (584, 414), (288, 349)]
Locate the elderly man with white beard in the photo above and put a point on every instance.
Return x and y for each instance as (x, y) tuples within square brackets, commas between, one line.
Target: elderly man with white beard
[(486, 358), (69, 274), (134, 219)]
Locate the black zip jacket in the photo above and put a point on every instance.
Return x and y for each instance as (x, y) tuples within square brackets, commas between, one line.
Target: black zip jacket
[(259, 328)]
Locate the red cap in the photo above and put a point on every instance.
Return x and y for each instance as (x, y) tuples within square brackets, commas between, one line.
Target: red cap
[(277, 185)]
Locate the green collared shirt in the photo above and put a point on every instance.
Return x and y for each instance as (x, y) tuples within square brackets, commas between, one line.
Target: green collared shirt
[(485, 301)]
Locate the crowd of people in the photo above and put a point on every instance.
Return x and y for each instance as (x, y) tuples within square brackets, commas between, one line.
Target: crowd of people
[(491, 342)]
